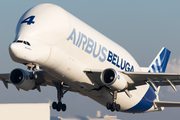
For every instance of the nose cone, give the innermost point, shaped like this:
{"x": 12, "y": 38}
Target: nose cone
{"x": 14, "y": 51}
{"x": 20, "y": 53}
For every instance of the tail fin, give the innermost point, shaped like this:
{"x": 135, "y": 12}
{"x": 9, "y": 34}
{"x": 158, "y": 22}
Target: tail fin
{"x": 159, "y": 64}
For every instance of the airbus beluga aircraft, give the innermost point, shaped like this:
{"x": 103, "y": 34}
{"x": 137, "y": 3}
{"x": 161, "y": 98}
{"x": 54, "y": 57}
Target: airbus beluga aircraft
{"x": 63, "y": 52}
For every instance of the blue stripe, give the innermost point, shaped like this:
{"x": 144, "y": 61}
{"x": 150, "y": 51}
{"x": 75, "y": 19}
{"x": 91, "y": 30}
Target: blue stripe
{"x": 154, "y": 70}
{"x": 157, "y": 65}
{"x": 164, "y": 57}
{"x": 145, "y": 103}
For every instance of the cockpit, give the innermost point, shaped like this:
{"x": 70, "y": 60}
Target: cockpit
{"x": 24, "y": 42}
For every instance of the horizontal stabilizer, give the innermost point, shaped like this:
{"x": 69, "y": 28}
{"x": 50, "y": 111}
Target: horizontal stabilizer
{"x": 167, "y": 104}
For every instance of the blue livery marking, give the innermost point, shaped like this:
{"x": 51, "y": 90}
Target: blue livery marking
{"x": 158, "y": 66}
{"x": 145, "y": 103}
{"x": 88, "y": 45}
{"x": 122, "y": 64}
{"x": 29, "y": 20}
{"x": 160, "y": 63}
{"x": 98, "y": 51}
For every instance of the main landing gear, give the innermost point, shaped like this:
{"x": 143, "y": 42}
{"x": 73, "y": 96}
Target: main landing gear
{"x": 59, "y": 106}
{"x": 113, "y": 106}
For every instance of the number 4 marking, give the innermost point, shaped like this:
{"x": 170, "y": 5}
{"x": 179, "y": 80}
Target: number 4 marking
{"x": 29, "y": 20}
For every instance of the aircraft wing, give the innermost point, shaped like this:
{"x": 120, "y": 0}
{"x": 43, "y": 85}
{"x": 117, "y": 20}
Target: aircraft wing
{"x": 155, "y": 79}
{"x": 160, "y": 79}
{"x": 43, "y": 79}
{"x": 4, "y": 78}
{"x": 139, "y": 78}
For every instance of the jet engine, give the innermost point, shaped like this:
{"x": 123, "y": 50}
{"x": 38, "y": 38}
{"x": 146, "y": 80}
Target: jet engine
{"x": 20, "y": 78}
{"x": 113, "y": 79}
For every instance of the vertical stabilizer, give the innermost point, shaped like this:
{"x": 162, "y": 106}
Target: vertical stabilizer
{"x": 159, "y": 64}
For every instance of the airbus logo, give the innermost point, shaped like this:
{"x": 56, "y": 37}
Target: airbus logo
{"x": 88, "y": 45}
{"x": 98, "y": 51}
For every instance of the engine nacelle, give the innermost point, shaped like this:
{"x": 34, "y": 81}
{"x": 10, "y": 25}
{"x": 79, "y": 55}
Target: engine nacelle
{"x": 20, "y": 78}
{"x": 113, "y": 79}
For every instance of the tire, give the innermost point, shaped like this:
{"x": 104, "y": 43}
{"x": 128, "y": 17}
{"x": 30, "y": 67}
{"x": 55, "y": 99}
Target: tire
{"x": 63, "y": 107}
{"x": 54, "y": 105}
{"x": 114, "y": 106}
{"x": 108, "y": 105}
{"x": 59, "y": 106}
{"x": 118, "y": 107}
{"x": 58, "y": 109}
{"x": 112, "y": 109}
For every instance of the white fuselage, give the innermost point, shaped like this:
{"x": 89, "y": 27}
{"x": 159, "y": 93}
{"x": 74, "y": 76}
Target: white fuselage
{"x": 64, "y": 46}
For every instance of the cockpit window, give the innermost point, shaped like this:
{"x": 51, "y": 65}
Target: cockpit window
{"x": 19, "y": 41}
{"x": 25, "y": 42}
{"x": 28, "y": 44}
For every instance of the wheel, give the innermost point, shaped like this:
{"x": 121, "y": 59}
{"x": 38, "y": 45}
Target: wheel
{"x": 112, "y": 109}
{"x": 59, "y": 106}
{"x": 54, "y": 105}
{"x": 118, "y": 107}
{"x": 63, "y": 107}
{"x": 114, "y": 106}
{"x": 108, "y": 105}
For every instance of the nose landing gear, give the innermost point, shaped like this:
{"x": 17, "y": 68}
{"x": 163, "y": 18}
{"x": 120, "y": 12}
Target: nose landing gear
{"x": 33, "y": 67}
{"x": 59, "y": 106}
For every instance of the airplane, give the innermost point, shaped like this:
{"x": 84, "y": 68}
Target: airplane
{"x": 61, "y": 51}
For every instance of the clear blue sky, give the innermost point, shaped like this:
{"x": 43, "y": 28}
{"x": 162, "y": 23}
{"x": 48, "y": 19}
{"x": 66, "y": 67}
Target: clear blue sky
{"x": 141, "y": 27}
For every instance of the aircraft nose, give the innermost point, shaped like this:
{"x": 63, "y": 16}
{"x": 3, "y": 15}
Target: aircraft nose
{"x": 21, "y": 52}
{"x": 13, "y": 50}
{"x": 16, "y": 52}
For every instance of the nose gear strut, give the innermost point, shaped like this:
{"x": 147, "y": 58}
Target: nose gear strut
{"x": 33, "y": 67}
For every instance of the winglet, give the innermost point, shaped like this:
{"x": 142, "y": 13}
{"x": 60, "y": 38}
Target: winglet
{"x": 160, "y": 62}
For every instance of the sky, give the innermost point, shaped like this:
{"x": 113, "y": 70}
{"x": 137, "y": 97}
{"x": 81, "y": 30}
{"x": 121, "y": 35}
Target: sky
{"x": 141, "y": 27}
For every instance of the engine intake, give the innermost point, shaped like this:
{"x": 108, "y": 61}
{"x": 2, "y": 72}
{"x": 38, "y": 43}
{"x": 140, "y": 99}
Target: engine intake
{"x": 114, "y": 79}
{"x": 20, "y": 78}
